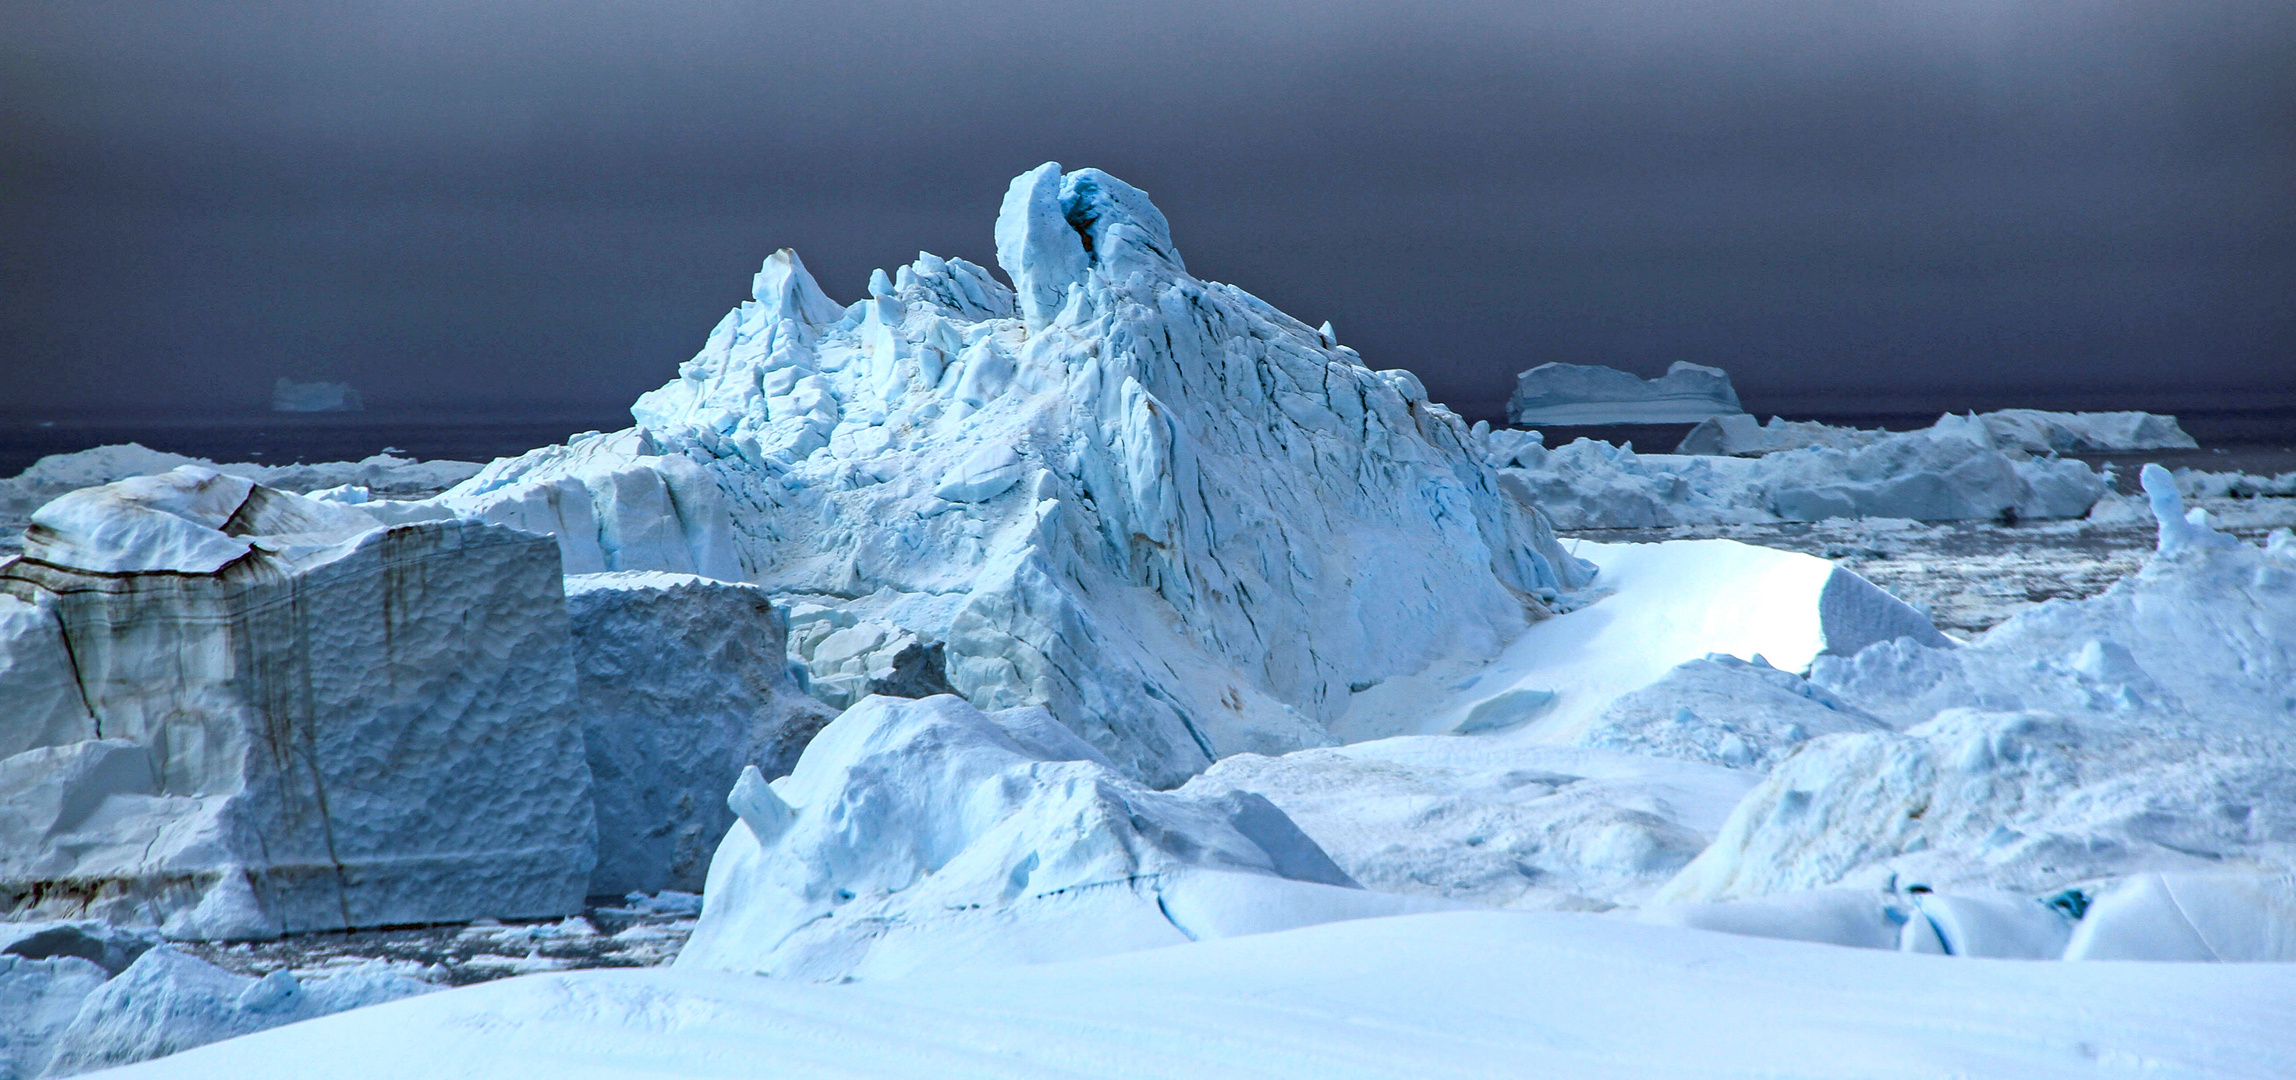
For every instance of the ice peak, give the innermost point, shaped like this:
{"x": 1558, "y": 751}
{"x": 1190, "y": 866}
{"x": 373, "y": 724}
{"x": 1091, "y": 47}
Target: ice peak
{"x": 2178, "y": 530}
{"x": 1039, "y": 250}
{"x": 1054, "y": 228}
{"x": 788, "y": 291}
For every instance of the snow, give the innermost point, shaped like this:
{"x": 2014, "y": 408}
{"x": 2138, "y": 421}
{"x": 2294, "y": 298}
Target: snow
{"x": 1482, "y": 821}
{"x": 2030, "y": 431}
{"x": 918, "y": 835}
{"x": 1955, "y": 471}
{"x": 682, "y": 682}
{"x": 281, "y": 714}
{"x": 1435, "y": 995}
{"x": 383, "y": 475}
{"x": 1665, "y": 604}
{"x": 2191, "y": 916}
{"x": 1589, "y": 394}
{"x": 2145, "y": 729}
{"x": 303, "y": 397}
{"x": 1181, "y": 520}
{"x": 1722, "y": 710}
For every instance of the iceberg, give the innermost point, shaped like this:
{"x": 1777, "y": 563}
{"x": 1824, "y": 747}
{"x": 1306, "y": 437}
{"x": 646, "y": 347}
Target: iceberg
{"x": 290, "y": 396}
{"x": 1586, "y": 394}
{"x": 1179, "y": 519}
{"x": 237, "y": 712}
{"x": 929, "y": 835}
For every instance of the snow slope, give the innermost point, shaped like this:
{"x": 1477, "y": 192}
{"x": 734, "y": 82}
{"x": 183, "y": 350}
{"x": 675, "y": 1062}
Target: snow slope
{"x": 1661, "y": 605}
{"x": 1178, "y": 518}
{"x": 1460, "y": 994}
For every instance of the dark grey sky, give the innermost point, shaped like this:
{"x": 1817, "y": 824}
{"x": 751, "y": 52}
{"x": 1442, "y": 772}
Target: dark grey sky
{"x": 548, "y": 204}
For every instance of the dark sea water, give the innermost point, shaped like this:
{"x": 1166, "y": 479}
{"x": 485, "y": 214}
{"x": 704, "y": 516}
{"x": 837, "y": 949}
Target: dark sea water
{"x": 2258, "y": 440}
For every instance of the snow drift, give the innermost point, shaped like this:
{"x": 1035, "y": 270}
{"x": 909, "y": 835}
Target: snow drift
{"x": 1179, "y": 519}
{"x": 682, "y": 682}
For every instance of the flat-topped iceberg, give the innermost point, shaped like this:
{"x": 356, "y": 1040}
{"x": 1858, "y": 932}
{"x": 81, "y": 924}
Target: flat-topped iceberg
{"x": 1565, "y": 394}
{"x": 1184, "y": 522}
{"x": 234, "y": 711}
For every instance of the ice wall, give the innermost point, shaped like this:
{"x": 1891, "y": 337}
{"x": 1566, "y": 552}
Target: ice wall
{"x": 235, "y": 712}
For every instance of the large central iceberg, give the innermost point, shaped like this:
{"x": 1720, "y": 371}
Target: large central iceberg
{"x": 1183, "y": 521}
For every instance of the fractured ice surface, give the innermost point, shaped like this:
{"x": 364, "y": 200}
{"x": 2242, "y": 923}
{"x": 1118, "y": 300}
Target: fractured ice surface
{"x": 2150, "y": 728}
{"x": 1591, "y": 394}
{"x": 682, "y": 681}
{"x": 1179, "y": 519}
{"x": 930, "y": 835}
{"x": 1957, "y": 470}
{"x": 234, "y": 711}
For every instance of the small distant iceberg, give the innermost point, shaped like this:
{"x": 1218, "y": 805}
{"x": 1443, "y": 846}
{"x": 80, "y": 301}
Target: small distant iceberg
{"x": 1590, "y": 394}
{"x": 288, "y": 395}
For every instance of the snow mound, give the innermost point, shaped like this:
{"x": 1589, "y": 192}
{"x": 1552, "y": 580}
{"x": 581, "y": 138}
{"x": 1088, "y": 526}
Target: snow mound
{"x": 2197, "y": 916}
{"x": 928, "y": 834}
{"x": 1722, "y": 710}
{"x": 168, "y": 1002}
{"x": 1478, "y": 821}
{"x": 2143, "y": 729}
{"x": 1591, "y": 394}
{"x": 1662, "y": 605}
{"x": 1956, "y": 471}
{"x": 238, "y": 711}
{"x": 1179, "y": 519}
{"x": 682, "y": 683}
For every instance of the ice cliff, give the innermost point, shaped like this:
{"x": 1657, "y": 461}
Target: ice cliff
{"x": 1178, "y": 518}
{"x": 235, "y": 711}
{"x": 1590, "y": 394}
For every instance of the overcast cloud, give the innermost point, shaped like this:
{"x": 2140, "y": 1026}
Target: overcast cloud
{"x": 542, "y": 204}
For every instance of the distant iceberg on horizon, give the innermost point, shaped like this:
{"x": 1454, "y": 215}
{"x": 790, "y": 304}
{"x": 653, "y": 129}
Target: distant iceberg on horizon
{"x": 1593, "y": 394}
{"x": 287, "y": 395}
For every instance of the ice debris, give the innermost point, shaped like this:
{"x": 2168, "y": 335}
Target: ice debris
{"x": 1590, "y": 394}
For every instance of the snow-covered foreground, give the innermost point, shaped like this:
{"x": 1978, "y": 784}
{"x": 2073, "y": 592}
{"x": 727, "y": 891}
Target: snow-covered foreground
{"x": 1452, "y": 994}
